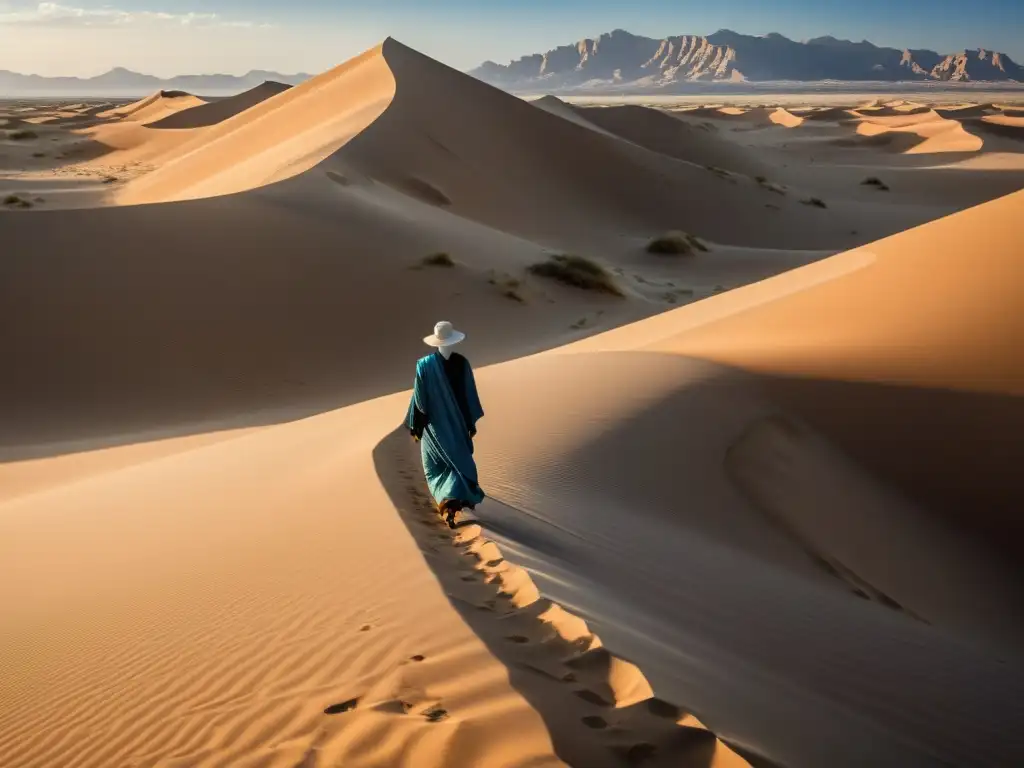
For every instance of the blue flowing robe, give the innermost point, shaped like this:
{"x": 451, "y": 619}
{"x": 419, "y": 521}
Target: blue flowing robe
{"x": 446, "y": 447}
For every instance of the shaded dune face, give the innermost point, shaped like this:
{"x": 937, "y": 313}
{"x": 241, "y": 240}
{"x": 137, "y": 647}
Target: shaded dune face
{"x": 662, "y": 133}
{"x": 220, "y": 110}
{"x": 838, "y": 424}
{"x": 755, "y": 485}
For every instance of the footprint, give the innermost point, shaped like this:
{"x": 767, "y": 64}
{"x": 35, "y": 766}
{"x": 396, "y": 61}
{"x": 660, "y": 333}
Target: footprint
{"x": 593, "y": 698}
{"x": 435, "y": 714}
{"x": 594, "y": 721}
{"x": 345, "y": 706}
{"x": 517, "y": 639}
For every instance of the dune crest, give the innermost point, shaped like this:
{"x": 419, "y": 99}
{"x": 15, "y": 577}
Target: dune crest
{"x": 155, "y": 107}
{"x": 279, "y": 137}
{"x": 220, "y": 110}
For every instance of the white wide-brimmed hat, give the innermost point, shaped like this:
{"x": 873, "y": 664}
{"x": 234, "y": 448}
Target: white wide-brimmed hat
{"x": 444, "y": 335}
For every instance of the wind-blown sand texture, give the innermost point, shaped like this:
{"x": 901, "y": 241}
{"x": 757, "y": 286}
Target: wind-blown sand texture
{"x": 761, "y": 509}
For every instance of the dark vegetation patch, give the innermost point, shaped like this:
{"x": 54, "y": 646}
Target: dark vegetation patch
{"x": 577, "y": 272}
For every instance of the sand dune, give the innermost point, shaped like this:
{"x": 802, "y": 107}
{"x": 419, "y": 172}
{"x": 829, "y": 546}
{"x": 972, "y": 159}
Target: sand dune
{"x": 773, "y": 527}
{"x": 662, "y": 133}
{"x": 218, "y": 111}
{"x": 965, "y": 110}
{"x": 555, "y": 106}
{"x": 863, "y": 333}
{"x": 423, "y": 141}
{"x": 853, "y": 401}
{"x": 154, "y": 107}
{"x": 1003, "y": 125}
{"x": 829, "y": 113}
{"x": 932, "y": 133}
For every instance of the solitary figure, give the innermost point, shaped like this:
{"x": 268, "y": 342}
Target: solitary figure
{"x": 442, "y": 416}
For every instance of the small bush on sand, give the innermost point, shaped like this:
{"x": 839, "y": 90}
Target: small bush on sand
{"x": 771, "y": 186}
{"x": 38, "y": 154}
{"x": 13, "y": 201}
{"x": 817, "y": 202}
{"x": 22, "y": 135}
{"x": 438, "y": 260}
{"x": 877, "y": 183}
{"x": 577, "y": 272}
{"x": 675, "y": 243}
{"x": 512, "y": 293}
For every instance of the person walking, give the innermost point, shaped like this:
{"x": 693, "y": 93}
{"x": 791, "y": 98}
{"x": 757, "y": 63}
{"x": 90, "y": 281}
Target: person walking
{"x": 442, "y": 417}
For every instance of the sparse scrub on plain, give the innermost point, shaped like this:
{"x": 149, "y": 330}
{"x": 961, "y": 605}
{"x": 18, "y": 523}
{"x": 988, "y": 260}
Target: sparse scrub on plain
{"x": 577, "y": 272}
{"x": 440, "y": 259}
{"x": 771, "y": 186}
{"x": 815, "y": 202}
{"x": 721, "y": 173}
{"x": 13, "y": 201}
{"x": 676, "y": 243}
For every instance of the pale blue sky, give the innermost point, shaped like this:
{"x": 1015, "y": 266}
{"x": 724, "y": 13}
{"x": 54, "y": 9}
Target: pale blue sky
{"x": 167, "y": 37}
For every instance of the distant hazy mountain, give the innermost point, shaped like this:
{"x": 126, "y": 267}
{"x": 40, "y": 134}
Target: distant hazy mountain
{"x": 120, "y": 82}
{"x": 620, "y": 59}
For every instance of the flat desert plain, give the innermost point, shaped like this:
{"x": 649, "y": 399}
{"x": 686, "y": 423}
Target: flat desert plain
{"x": 752, "y": 441}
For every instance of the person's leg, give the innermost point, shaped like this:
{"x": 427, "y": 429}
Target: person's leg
{"x": 449, "y": 509}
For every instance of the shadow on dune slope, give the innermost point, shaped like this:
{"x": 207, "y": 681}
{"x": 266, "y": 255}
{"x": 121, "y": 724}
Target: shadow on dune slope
{"x": 220, "y": 110}
{"x": 748, "y": 539}
{"x": 599, "y": 710}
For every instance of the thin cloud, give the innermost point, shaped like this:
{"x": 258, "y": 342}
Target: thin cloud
{"x": 57, "y": 15}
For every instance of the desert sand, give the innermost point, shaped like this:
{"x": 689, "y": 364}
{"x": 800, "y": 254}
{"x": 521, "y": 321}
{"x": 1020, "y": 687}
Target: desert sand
{"x": 756, "y": 503}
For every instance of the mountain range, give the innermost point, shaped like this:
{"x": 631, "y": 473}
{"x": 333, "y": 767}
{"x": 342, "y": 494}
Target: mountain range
{"x": 120, "y": 82}
{"x": 616, "y": 60}
{"x": 620, "y": 59}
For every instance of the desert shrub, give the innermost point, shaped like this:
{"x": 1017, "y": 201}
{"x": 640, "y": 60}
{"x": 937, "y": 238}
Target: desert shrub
{"x": 22, "y": 134}
{"x": 817, "y": 202}
{"x": 577, "y": 272}
{"x": 675, "y": 243}
{"x": 877, "y": 183}
{"x": 14, "y": 201}
{"x": 771, "y": 186}
{"x": 438, "y": 260}
{"x": 512, "y": 293}
{"x": 110, "y": 179}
